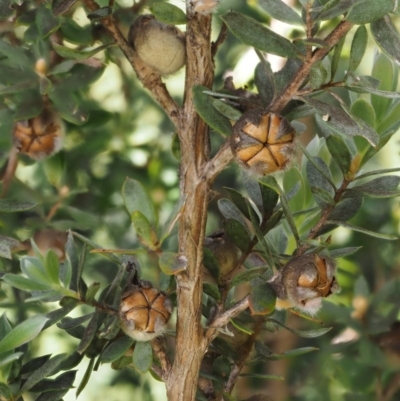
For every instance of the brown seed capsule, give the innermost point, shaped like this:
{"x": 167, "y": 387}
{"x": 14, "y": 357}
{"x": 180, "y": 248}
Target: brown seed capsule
{"x": 40, "y": 136}
{"x": 263, "y": 142}
{"x": 159, "y": 45}
{"x": 304, "y": 281}
{"x": 144, "y": 313}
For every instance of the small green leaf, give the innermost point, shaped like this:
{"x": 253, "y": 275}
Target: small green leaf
{"x": 52, "y": 266}
{"x": 54, "y": 168}
{"x": 303, "y": 333}
{"x": 343, "y": 252}
{"x": 340, "y": 121}
{"x": 46, "y": 22}
{"x": 168, "y": 13}
{"x": 262, "y": 300}
{"x": 142, "y": 357}
{"x": 230, "y": 211}
{"x": 74, "y": 54}
{"x": 116, "y": 349}
{"x": 23, "y": 283}
{"x": 5, "y": 359}
{"x": 68, "y": 106}
{"x": 212, "y": 291}
{"x": 368, "y": 84}
{"x": 72, "y": 274}
{"x": 62, "y": 382}
{"x": 15, "y": 54}
{"x": 237, "y": 234}
{"x": 265, "y": 81}
{"x": 382, "y": 187}
{"x": 86, "y": 377}
{"x": 270, "y": 199}
{"x": 358, "y": 47}
{"x": 376, "y": 172}
{"x": 336, "y": 9}
{"x": 56, "y": 315}
{"x": 19, "y": 87}
{"x": 240, "y": 201}
{"x": 281, "y": 11}
{"x": 143, "y": 230}
{"x": 363, "y": 109}
{"x": 387, "y": 37}
{"x": 337, "y": 53}
{"x": 92, "y": 291}
{"x": 11, "y": 206}
{"x": 22, "y": 333}
{"x": 226, "y": 110}
{"x": 248, "y": 275}
{"x": 339, "y": 152}
{"x": 172, "y": 263}
{"x": 35, "y": 270}
{"x": 206, "y": 110}
{"x": 367, "y": 11}
{"x": 253, "y": 33}
{"x": 90, "y": 331}
{"x": 363, "y": 230}
{"x": 136, "y": 198}
{"x": 70, "y": 322}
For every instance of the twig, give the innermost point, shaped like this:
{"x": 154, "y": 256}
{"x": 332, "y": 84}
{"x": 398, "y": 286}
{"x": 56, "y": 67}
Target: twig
{"x": 158, "y": 345}
{"x": 149, "y": 78}
{"x": 223, "y": 33}
{"x": 302, "y": 73}
{"x": 391, "y": 388}
{"x": 224, "y": 318}
{"x": 245, "y": 350}
{"x": 218, "y": 162}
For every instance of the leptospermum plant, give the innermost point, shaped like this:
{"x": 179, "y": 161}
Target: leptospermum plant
{"x": 271, "y": 254}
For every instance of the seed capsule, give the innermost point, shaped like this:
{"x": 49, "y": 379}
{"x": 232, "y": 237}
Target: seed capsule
{"x": 263, "y": 142}
{"x": 144, "y": 313}
{"x": 304, "y": 281}
{"x": 40, "y": 136}
{"x": 159, "y": 45}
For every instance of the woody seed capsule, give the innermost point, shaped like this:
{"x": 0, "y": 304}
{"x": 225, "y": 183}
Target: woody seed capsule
{"x": 144, "y": 313}
{"x": 40, "y": 136}
{"x": 263, "y": 142}
{"x": 304, "y": 281}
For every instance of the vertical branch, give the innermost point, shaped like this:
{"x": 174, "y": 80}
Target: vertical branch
{"x": 193, "y": 134}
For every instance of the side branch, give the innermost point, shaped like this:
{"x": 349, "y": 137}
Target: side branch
{"x": 218, "y": 162}
{"x": 292, "y": 88}
{"x": 224, "y": 318}
{"x": 149, "y": 78}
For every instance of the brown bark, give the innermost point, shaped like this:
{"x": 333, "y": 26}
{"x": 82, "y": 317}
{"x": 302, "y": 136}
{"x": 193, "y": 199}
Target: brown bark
{"x": 193, "y": 133}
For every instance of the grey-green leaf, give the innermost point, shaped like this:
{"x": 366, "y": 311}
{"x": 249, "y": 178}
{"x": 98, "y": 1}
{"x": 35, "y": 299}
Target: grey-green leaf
{"x": 226, "y": 110}
{"x": 23, "y": 333}
{"x": 253, "y": 33}
{"x": 367, "y": 11}
{"x": 206, "y": 110}
{"x": 363, "y": 230}
{"x": 46, "y": 22}
{"x": 61, "y": 6}
{"x": 358, "y": 47}
{"x": 116, "y": 349}
{"x": 168, "y": 13}
{"x": 342, "y": 123}
{"x": 339, "y": 8}
{"x": 387, "y": 37}
{"x": 303, "y": 333}
{"x": 281, "y": 11}
{"x": 381, "y": 187}
{"x": 172, "y": 263}
{"x": 136, "y": 198}
{"x": 11, "y": 205}
{"x": 340, "y": 152}
{"x": 8, "y": 246}
{"x": 142, "y": 356}
{"x": 265, "y": 82}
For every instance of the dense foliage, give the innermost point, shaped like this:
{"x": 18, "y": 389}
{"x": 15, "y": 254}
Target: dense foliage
{"x": 106, "y": 216}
